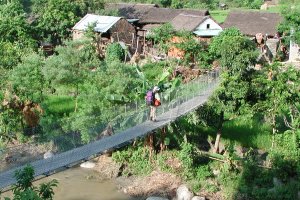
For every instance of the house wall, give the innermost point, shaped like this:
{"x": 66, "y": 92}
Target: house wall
{"x": 77, "y": 34}
{"x": 212, "y": 25}
{"x": 294, "y": 52}
{"x": 273, "y": 46}
{"x": 123, "y": 31}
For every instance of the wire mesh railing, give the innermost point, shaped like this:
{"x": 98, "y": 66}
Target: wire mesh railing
{"x": 137, "y": 112}
{"x": 126, "y": 116}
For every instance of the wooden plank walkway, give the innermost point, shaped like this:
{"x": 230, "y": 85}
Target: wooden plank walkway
{"x": 45, "y": 166}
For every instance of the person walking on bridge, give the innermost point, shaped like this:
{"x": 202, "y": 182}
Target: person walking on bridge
{"x": 153, "y": 100}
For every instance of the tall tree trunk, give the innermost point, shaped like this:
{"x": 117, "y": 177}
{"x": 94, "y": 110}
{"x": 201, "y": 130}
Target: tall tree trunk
{"x": 76, "y": 104}
{"x": 162, "y": 139}
{"x": 76, "y": 98}
{"x": 219, "y": 133}
{"x": 149, "y": 144}
{"x": 273, "y": 131}
{"x": 217, "y": 142}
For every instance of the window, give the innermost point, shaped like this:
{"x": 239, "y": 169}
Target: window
{"x": 207, "y": 26}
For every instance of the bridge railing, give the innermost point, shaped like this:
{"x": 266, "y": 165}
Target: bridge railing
{"x": 137, "y": 112}
{"x": 127, "y": 116}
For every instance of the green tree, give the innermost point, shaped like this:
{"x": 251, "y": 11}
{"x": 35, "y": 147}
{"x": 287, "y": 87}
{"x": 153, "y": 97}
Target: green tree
{"x": 291, "y": 22}
{"x": 114, "y": 52}
{"x": 13, "y": 25}
{"x": 234, "y": 96}
{"x": 190, "y": 46}
{"x": 161, "y": 36}
{"x": 280, "y": 97}
{"x": 103, "y": 97}
{"x": 24, "y": 190}
{"x": 65, "y": 69}
{"x": 56, "y": 19}
{"x": 15, "y": 34}
{"x": 26, "y": 78}
{"x": 10, "y": 55}
{"x": 214, "y": 47}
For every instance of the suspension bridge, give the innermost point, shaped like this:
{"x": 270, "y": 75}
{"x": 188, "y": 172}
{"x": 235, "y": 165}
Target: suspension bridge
{"x": 184, "y": 100}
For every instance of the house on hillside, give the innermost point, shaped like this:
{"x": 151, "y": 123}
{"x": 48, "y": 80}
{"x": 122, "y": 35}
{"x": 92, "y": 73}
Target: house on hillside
{"x": 109, "y": 28}
{"x": 130, "y": 10}
{"x": 148, "y": 16}
{"x": 252, "y": 23}
{"x": 201, "y": 26}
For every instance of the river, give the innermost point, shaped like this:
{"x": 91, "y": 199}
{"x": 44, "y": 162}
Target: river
{"x": 82, "y": 184}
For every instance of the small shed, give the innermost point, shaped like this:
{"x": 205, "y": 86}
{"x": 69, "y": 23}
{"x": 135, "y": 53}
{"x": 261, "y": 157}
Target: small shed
{"x": 110, "y": 27}
{"x": 252, "y": 22}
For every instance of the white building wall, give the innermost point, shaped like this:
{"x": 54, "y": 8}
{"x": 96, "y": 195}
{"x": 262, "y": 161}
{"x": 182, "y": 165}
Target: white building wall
{"x": 212, "y": 25}
{"x": 294, "y": 52}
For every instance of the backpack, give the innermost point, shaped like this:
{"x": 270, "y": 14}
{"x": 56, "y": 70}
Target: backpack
{"x": 150, "y": 98}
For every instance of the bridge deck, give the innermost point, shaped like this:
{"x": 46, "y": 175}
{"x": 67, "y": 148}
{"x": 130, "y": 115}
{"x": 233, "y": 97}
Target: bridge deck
{"x": 45, "y": 166}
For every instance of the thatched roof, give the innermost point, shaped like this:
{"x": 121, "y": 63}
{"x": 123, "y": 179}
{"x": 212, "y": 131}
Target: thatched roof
{"x": 130, "y": 10}
{"x": 151, "y": 13}
{"x": 252, "y": 22}
{"x": 164, "y": 15}
{"x": 187, "y": 22}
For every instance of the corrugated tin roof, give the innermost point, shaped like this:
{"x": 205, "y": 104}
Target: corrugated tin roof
{"x": 103, "y": 23}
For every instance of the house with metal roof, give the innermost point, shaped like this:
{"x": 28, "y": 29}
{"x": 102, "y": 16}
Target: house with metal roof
{"x": 110, "y": 27}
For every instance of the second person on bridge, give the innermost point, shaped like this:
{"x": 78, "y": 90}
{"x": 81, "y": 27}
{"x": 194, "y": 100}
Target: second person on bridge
{"x": 153, "y": 100}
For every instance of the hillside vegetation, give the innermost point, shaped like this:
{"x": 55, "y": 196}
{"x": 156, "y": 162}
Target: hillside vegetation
{"x": 242, "y": 144}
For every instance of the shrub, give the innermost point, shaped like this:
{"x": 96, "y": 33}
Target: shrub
{"x": 24, "y": 189}
{"x": 114, "y": 52}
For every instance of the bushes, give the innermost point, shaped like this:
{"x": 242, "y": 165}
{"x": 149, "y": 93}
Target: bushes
{"x": 114, "y": 52}
{"x": 135, "y": 160}
{"x": 24, "y": 189}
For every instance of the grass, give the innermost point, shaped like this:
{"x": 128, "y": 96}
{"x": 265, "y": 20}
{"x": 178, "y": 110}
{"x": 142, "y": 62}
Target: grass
{"x": 274, "y": 9}
{"x": 59, "y": 105}
{"x": 248, "y": 133}
{"x": 219, "y": 15}
{"x": 244, "y": 132}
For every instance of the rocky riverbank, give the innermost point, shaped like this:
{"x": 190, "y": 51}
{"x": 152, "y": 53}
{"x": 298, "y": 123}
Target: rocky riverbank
{"x": 157, "y": 185}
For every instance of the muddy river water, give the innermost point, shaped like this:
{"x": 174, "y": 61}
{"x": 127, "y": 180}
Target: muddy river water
{"x": 82, "y": 184}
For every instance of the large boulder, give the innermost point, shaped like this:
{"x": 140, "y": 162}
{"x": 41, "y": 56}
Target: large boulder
{"x": 88, "y": 165}
{"x": 48, "y": 154}
{"x": 183, "y": 193}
